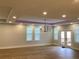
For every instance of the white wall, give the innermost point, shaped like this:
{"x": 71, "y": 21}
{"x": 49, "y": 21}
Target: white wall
{"x": 15, "y": 36}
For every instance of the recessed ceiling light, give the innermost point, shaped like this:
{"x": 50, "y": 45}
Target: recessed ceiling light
{"x": 14, "y": 17}
{"x": 45, "y": 13}
{"x": 20, "y": 23}
{"x": 10, "y": 21}
{"x": 76, "y": 1}
{"x": 64, "y": 15}
{"x": 78, "y": 18}
{"x": 71, "y": 23}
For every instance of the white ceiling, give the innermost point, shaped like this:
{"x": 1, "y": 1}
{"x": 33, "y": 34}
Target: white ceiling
{"x": 24, "y": 9}
{"x": 4, "y": 12}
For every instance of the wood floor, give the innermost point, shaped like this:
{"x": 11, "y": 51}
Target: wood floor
{"x": 48, "y": 52}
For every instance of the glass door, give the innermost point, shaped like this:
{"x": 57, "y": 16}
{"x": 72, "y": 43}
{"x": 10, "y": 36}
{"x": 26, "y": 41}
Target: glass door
{"x": 66, "y": 38}
{"x": 62, "y": 38}
{"x": 69, "y": 37}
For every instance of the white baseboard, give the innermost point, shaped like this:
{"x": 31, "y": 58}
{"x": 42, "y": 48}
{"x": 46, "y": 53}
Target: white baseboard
{"x": 21, "y": 46}
{"x": 55, "y": 44}
{"x": 75, "y": 48}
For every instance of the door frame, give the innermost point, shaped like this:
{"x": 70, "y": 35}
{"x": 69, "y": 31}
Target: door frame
{"x": 72, "y": 36}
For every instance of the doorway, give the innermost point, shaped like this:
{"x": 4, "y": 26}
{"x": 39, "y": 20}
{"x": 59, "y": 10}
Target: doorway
{"x": 66, "y": 38}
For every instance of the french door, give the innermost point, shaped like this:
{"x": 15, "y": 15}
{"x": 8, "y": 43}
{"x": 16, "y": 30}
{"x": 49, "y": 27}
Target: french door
{"x": 66, "y": 38}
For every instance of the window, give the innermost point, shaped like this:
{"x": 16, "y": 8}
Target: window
{"x": 37, "y": 32}
{"x": 62, "y": 37}
{"x": 76, "y": 34}
{"x": 33, "y": 33}
{"x": 56, "y": 33}
{"x": 29, "y": 33}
